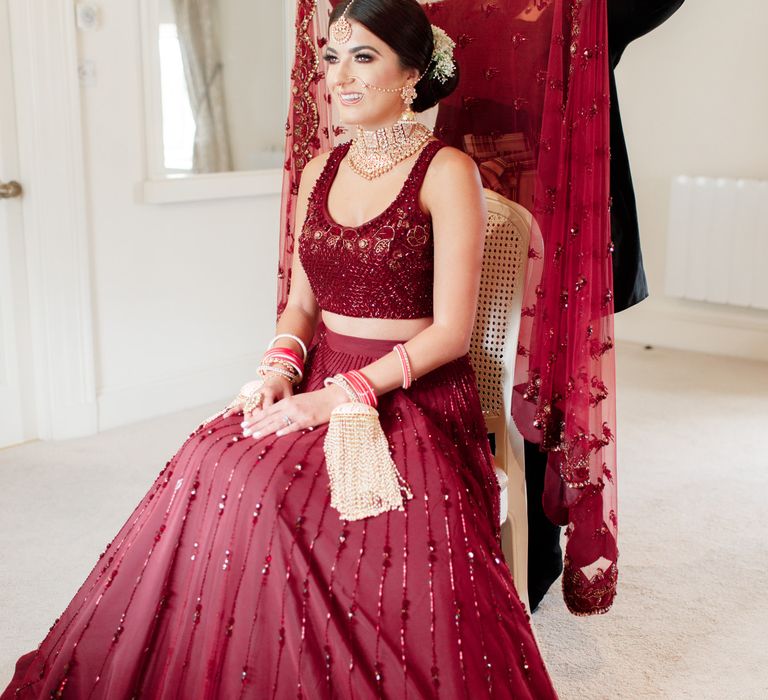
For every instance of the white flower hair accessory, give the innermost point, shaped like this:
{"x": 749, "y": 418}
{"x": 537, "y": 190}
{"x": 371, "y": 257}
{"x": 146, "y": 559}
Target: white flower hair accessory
{"x": 442, "y": 57}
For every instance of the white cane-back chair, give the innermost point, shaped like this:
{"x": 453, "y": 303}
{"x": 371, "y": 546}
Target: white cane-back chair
{"x": 493, "y": 350}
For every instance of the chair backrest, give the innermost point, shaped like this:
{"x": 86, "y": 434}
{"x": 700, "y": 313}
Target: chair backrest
{"x": 493, "y": 351}
{"x": 493, "y": 346}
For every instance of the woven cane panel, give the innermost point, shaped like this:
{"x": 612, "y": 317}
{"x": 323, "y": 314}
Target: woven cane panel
{"x": 506, "y": 242}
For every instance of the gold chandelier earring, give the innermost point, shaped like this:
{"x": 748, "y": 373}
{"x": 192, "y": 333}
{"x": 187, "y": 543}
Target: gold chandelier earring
{"x": 407, "y": 119}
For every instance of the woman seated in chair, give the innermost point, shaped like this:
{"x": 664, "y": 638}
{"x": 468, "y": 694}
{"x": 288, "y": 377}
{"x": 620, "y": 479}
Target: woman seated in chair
{"x": 253, "y": 567}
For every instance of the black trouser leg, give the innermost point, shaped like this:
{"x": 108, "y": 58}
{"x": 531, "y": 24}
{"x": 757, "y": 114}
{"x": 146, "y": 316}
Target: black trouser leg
{"x": 545, "y": 557}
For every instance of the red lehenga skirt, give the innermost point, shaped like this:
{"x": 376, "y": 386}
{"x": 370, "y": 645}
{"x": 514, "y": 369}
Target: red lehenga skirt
{"x": 234, "y": 578}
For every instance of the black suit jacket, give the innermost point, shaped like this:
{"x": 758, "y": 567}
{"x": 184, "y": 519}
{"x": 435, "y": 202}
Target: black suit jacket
{"x": 627, "y": 20}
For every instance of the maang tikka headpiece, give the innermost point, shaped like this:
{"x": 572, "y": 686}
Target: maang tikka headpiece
{"x": 342, "y": 29}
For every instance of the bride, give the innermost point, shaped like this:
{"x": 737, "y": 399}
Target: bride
{"x": 333, "y": 532}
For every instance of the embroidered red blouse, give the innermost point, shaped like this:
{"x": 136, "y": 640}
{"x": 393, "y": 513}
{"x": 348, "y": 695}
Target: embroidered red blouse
{"x": 382, "y": 269}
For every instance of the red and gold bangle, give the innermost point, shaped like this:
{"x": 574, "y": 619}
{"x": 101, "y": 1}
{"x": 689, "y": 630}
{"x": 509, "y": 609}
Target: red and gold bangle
{"x": 285, "y": 354}
{"x": 406, "y": 365}
{"x": 282, "y": 361}
{"x": 292, "y": 368}
{"x": 340, "y": 381}
{"x": 285, "y": 358}
{"x": 295, "y": 372}
{"x": 264, "y": 370}
{"x": 361, "y": 386}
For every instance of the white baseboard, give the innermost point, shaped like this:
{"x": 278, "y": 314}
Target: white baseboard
{"x": 129, "y": 404}
{"x": 715, "y": 329}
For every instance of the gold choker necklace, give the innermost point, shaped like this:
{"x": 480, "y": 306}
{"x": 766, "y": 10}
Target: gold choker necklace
{"x": 373, "y": 153}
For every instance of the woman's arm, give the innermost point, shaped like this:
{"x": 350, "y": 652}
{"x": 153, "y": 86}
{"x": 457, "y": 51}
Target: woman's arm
{"x": 453, "y": 193}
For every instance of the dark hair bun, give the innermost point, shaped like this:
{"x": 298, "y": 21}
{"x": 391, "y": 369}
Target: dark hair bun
{"x": 429, "y": 91}
{"x": 404, "y": 26}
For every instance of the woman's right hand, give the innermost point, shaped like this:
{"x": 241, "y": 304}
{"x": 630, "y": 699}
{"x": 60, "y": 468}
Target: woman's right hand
{"x": 273, "y": 388}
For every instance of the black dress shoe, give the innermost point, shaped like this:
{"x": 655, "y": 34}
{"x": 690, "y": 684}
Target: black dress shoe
{"x": 541, "y": 576}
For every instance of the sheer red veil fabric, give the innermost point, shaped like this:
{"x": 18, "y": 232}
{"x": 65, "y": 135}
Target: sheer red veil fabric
{"x": 532, "y": 109}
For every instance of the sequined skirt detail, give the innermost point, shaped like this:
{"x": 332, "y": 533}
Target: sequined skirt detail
{"x": 233, "y": 577}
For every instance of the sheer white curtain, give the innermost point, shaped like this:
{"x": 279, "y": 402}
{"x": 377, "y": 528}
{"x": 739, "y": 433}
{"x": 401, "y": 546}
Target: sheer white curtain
{"x": 196, "y": 27}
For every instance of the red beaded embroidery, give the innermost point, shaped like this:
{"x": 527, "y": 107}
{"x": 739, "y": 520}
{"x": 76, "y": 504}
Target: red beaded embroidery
{"x": 382, "y": 269}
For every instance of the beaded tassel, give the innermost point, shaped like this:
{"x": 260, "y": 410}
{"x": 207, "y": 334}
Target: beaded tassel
{"x": 364, "y": 480}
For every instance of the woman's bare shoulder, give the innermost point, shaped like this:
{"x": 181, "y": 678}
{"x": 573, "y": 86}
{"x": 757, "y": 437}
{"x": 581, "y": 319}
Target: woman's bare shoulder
{"x": 451, "y": 169}
{"x": 313, "y": 169}
{"x": 450, "y": 158}
{"x": 319, "y": 160}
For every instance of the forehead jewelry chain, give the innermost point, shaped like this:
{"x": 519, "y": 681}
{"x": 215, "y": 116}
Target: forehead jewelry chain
{"x": 342, "y": 29}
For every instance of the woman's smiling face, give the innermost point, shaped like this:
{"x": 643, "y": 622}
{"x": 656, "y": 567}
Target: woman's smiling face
{"x": 365, "y": 59}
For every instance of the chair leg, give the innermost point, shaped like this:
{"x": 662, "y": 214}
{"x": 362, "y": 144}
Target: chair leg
{"x": 513, "y": 554}
{"x": 514, "y": 534}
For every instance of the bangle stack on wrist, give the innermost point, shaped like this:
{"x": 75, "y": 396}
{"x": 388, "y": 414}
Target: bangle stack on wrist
{"x": 284, "y": 362}
{"x": 342, "y": 384}
{"x": 406, "y": 365}
{"x": 355, "y": 386}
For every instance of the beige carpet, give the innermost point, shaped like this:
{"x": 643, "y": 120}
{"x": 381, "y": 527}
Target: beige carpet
{"x": 691, "y": 618}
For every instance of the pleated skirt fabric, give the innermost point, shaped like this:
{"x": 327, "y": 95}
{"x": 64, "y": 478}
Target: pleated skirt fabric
{"x": 235, "y": 578}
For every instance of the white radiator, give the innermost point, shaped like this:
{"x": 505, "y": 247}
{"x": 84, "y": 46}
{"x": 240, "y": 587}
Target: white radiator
{"x": 717, "y": 244}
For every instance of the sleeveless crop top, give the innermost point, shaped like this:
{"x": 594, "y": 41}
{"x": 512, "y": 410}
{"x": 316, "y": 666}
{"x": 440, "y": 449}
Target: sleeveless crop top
{"x": 382, "y": 269}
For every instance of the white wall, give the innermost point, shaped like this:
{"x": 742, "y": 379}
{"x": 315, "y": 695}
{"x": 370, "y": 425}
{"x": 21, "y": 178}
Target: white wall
{"x": 694, "y": 101}
{"x": 184, "y": 294}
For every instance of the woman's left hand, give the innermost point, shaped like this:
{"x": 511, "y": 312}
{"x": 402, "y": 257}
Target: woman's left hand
{"x": 293, "y": 413}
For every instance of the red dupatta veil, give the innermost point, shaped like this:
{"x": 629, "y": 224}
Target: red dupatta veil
{"x": 532, "y": 109}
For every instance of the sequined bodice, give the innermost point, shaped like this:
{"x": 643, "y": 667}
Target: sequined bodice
{"x": 382, "y": 269}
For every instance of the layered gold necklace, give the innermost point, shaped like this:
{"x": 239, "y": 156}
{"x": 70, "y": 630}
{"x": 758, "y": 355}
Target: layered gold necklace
{"x": 373, "y": 153}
